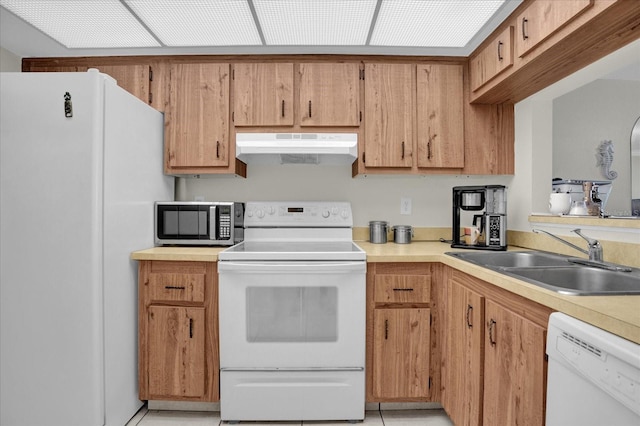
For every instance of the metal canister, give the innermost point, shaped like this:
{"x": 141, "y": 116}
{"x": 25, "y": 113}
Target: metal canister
{"x": 378, "y": 231}
{"x": 402, "y": 234}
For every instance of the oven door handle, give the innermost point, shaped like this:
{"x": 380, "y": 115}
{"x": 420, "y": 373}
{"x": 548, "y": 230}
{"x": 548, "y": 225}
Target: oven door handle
{"x": 292, "y": 267}
{"x": 296, "y": 369}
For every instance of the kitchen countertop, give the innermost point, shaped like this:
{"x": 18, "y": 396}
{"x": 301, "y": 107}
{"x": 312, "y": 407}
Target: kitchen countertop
{"x": 617, "y": 314}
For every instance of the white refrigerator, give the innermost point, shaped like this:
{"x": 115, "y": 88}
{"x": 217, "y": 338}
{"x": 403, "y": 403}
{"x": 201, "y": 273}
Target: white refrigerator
{"x": 78, "y": 182}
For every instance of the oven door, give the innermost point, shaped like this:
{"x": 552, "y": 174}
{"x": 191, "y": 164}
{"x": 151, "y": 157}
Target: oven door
{"x": 292, "y": 315}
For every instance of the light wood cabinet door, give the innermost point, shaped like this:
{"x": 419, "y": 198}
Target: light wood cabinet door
{"x": 440, "y": 118}
{"x": 329, "y": 94}
{"x": 263, "y": 94}
{"x": 389, "y": 112}
{"x": 493, "y": 59}
{"x": 543, "y": 18}
{"x": 176, "y": 340}
{"x": 464, "y": 355}
{"x": 514, "y": 369}
{"x": 197, "y": 116}
{"x": 132, "y": 78}
{"x": 401, "y": 353}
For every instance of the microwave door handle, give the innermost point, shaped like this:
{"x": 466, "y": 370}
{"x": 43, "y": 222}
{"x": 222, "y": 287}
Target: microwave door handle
{"x": 213, "y": 225}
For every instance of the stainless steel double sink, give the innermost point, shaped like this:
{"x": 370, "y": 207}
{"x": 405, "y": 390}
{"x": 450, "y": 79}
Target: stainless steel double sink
{"x": 562, "y": 274}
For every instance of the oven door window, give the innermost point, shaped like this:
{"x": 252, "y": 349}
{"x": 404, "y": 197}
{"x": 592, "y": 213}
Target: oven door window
{"x": 292, "y": 314}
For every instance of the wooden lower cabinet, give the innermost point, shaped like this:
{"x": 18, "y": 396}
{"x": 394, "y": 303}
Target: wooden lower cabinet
{"x": 399, "y": 332}
{"x": 494, "y": 364}
{"x": 178, "y": 332}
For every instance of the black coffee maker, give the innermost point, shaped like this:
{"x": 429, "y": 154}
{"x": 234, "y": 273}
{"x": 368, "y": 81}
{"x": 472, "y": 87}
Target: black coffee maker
{"x": 484, "y": 207}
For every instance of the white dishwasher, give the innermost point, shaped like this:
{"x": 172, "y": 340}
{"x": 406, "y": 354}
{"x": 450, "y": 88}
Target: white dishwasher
{"x": 593, "y": 376}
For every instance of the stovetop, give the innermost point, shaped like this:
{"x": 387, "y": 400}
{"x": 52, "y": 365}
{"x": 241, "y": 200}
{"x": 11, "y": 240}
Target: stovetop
{"x": 295, "y": 231}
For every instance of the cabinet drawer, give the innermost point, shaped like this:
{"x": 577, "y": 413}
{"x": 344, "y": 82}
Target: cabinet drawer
{"x": 176, "y": 287}
{"x": 493, "y": 59}
{"x": 402, "y": 289}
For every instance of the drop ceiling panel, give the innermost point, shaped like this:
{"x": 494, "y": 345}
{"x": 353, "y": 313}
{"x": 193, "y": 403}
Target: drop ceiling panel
{"x": 198, "y": 22}
{"x": 315, "y": 22}
{"x": 437, "y": 23}
{"x": 84, "y": 23}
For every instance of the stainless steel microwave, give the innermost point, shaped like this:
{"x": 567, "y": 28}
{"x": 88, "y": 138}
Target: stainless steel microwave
{"x": 218, "y": 223}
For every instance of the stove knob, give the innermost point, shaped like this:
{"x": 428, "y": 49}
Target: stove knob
{"x": 271, "y": 210}
{"x": 334, "y": 210}
{"x": 345, "y": 214}
{"x": 260, "y": 213}
{"x": 250, "y": 213}
{"x": 326, "y": 213}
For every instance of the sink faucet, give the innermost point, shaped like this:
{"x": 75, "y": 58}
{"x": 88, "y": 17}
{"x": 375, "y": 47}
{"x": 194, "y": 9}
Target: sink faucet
{"x": 595, "y": 248}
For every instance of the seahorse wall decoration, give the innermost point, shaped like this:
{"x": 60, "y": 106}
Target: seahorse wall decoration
{"x": 604, "y": 158}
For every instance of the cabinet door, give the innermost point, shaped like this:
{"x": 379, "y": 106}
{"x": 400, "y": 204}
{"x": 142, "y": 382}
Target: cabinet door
{"x": 197, "y": 117}
{"x": 329, "y": 94}
{"x": 389, "y": 113}
{"x": 263, "y": 94}
{"x": 132, "y": 78}
{"x": 176, "y": 346}
{"x": 440, "y": 119}
{"x": 496, "y": 57}
{"x": 514, "y": 369}
{"x": 401, "y": 353}
{"x": 465, "y": 337}
{"x": 543, "y": 18}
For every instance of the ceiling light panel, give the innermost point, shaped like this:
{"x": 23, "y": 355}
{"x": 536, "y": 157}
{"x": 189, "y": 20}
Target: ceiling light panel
{"x": 315, "y": 22}
{"x": 198, "y": 22}
{"x": 83, "y": 23}
{"x": 436, "y": 23}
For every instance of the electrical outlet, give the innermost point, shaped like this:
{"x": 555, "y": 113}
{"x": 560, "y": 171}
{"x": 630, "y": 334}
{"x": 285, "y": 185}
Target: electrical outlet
{"x": 405, "y": 205}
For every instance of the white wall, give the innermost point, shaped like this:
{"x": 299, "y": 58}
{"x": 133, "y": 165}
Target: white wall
{"x": 372, "y": 197}
{"x": 9, "y": 62}
{"x": 582, "y": 119}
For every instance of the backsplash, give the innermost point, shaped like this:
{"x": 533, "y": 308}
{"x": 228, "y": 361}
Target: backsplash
{"x": 372, "y": 197}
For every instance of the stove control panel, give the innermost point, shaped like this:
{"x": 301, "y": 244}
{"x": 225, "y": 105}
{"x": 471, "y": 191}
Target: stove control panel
{"x": 298, "y": 214}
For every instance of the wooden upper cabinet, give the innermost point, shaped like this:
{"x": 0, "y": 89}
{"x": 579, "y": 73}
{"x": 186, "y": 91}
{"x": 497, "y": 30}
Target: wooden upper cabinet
{"x": 197, "y": 116}
{"x": 496, "y": 57}
{"x": 263, "y": 94}
{"x": 133, "y": 78}
{"x": 440, "y": 117}
{"x": 389, "y": 109}
{"x": 543, "y": 18}
{"x": 329, "y": 94}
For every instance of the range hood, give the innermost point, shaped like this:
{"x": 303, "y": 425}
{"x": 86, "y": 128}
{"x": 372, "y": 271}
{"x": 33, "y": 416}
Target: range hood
{"x": 297, "y": 148}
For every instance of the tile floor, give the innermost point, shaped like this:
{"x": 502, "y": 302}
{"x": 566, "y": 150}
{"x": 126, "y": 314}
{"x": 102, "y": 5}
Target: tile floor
{"x": 435, "y": 417}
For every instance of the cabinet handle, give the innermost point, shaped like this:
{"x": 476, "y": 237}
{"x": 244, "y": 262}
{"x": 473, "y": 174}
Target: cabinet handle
{"x": 500, "y": 50}
{"x": 217, "y": 149}
{"x": 403, "y": 150}
{"x": 492, "y": 326}
{"x": 190, "y": 328}
{"x": 174, "y": 287}
{"x": 402, "y": 289}
{"x": 386, "y": 329}
{"x": 309, "y": 109}
{"x": 469, "y": 313}
{"x": 525, "y": 21}
{"x": 429, "y": 150}
{"x": 283, "y": 108}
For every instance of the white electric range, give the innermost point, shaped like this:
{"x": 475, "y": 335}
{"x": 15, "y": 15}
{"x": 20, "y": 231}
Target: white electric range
{"x": 292, "y": 315}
